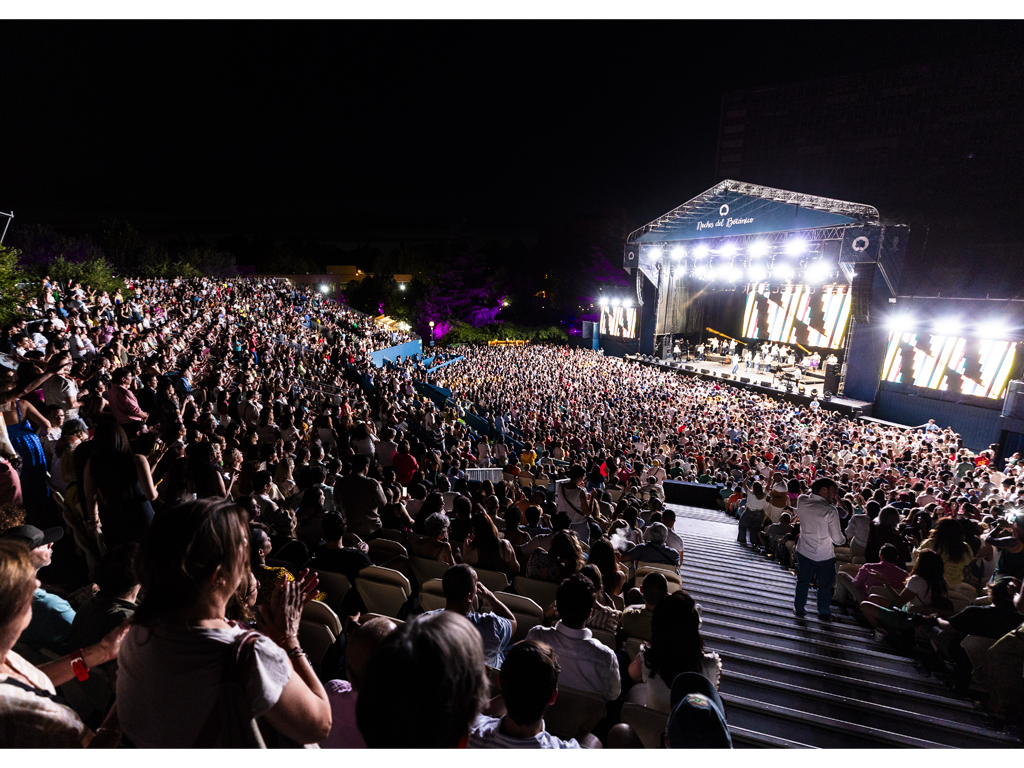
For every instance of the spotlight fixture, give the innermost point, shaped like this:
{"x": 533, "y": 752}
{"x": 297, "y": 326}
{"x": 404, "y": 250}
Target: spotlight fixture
{"x": 783, "y": 272}
{"x": 727, "y": 249}
{"x": 655, "y": 253}
{"x": 757, "y": 248}
{"x": 827, "y": 396}
{"x": 678, "y": 252}
{"x": 701, "y": 251}
{"x": 615, "y": 302}
{"x": 796, "y": 246}
{"x": 992, "y": 331}
{"x": 949, "y": 327}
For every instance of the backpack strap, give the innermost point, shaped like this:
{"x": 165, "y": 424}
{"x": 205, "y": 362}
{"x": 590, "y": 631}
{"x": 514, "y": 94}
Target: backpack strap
{"x": 237, "y": 665}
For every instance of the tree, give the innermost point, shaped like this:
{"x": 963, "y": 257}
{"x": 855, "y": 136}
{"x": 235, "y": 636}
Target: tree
{"x": 11, "y": 277}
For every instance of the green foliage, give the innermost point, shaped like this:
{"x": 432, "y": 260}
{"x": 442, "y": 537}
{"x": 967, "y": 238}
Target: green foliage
{"x": 10, "y": 276}
{"x": 96, "y": 273}
{"x": 463, "y": 333}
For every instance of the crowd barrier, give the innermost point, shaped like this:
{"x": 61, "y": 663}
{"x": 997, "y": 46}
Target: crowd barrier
{"x": 408, "y": 349}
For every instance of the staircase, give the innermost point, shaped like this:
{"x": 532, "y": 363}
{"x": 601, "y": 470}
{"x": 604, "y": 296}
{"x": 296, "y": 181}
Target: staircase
{"x": 803, "y": 683}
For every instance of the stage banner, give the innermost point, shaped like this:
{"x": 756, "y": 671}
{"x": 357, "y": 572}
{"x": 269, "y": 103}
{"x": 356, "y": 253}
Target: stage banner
{"x": 732, "y": 213}
{"x": 861, "y": 244}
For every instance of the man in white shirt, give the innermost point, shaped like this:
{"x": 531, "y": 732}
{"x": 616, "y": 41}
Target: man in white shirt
{"x": 587, "y": 664}
{"x": 820, "y": 531}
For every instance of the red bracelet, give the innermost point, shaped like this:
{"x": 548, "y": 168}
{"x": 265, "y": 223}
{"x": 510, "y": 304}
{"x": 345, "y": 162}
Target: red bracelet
{"x": 78, "y": 665}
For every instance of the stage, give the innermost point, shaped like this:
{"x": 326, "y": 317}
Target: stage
{"x": 763, "y": 383}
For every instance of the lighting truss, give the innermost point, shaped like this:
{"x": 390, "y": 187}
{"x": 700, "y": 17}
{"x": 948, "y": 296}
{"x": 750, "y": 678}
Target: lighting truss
{"x": 706, "y": 202}
{"x": 6, "y": 224}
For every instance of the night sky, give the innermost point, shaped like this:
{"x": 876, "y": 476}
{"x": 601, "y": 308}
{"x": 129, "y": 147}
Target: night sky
{"x": 353, "y": 131}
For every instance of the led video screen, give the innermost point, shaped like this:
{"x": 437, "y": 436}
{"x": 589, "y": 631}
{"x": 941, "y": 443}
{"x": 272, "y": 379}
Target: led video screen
{"x": 816, "y": 319}
{"x": 978, "y": 367}
{"x": 619, "y": 321}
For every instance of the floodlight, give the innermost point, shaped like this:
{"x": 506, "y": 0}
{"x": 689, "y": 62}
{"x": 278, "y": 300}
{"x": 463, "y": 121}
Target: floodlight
{"x": 615, "y": 302}
{"x": 816, "y": 272}
{"x": 401, "y": 286}
{"x": 993, "y": 331}
{"x": 758, "y": 248}
{"x": 949, "y": 327}
{"x": 701, "y": 251}
{"x": 899, "y": 323}
{"x": 627, "y": 302}
{"x": 734, "y": 274}
{"x": 700, "y": 271}
{"x": 603, "y": 301}
{"x": 323, "y": 289}
{"x": 655, "y": 253}
{"x": 756, "y": 274}
{"x": 710, "y": 274}
{"x": 796, "y": 246}
{"x": 783, "y": 272}
{"x": 678, "y": 252}
{"x": 727, "y": 249}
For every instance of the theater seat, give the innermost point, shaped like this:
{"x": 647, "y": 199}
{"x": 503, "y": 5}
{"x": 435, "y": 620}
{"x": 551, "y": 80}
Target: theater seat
{"x": 649, "y": 724}
{"x": 324, "y": 614}
{"x": 675, "y": 581}
{"x": 528, "y": 614}
{"x": 541, "y": 592}
{"x": 315, "y": 639}
{"x": 574, "y": 713}
{"x": 387, "y": 547}
{"x": 391, "y": 535}
{"x": 335, "y": 586}
{"x": 604, "y": 636}
{"x": 424, "y": 570}
{"x": 432, "y": 595}
{"x": 383, "y": 590}
{"x": 496, "y": 581}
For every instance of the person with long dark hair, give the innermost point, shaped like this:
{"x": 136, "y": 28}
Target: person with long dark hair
{"x": 571, "y": 498}
{"x": 118, "y": 487}
{"x": 675, "y": 647}
{"x": 925, "y": 592}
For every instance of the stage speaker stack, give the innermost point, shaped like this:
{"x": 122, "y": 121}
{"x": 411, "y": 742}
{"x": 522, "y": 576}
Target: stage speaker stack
{"x": 1013, "y": 405}
{"x": 860, "y": 299}
{"x": 745, "y": 380}
{"x": 766, "y": 384}
{"x": 831, "y": 378}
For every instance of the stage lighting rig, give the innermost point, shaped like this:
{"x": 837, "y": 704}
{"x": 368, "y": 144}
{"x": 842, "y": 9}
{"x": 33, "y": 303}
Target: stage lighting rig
{"x": 678, "y": 252}
{"x": 701, "y": 251}
{"x": 655, "y": 253}
{"x": 758, "y": 248}
{"x": 796, "y": 246}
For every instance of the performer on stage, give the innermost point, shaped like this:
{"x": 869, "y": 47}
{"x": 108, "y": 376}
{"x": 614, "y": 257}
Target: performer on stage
{"x": 700, "y": 352}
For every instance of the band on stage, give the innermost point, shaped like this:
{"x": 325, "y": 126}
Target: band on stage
{"x": 768, "y": 357}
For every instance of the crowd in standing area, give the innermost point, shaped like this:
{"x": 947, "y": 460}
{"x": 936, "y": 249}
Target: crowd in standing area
{"x": 179, "y": 463}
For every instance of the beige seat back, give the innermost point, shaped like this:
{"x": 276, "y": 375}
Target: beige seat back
{"x": 383, "y": 590}
{"x": 392, "y": 535}
{"x": 315, "y": 638}
{"x": 604, "y": 636}
{"x": 633, "y": 646}
{"x": 528, "y": 614}
{"x": 675, "y": 581}
{"x": 649, "y": 724}
{"x": 574, "y": 713}
{"x": 322, "y": 613}
{"x": 335, "y": 586}
{"x": 432, "y": 595}
{"x": 496, "y": 581}
{"x": 389, "y": 547}
{"x": 541, "y": 592}
{"x": 424, "y": 570}
{"x": 976, "y": 648}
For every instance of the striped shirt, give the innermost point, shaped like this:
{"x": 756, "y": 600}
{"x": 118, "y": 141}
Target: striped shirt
{"x": 486, "y": 734}
{"x": 29, "y": 715}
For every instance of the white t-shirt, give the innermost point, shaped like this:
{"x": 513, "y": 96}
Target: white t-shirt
{"x": 169, "y": 680}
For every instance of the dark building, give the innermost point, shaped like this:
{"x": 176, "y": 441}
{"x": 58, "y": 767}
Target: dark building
{"x": 939, "y": 146}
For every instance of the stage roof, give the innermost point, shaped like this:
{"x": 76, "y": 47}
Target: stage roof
{"x": 738, "y": 208}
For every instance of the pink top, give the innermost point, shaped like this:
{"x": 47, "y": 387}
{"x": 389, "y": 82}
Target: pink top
{"x": 124, "y": 405}
{"x": 344, "y": 733}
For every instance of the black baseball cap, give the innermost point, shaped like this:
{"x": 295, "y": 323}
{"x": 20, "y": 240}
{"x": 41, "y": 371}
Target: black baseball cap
{"x": 32, "y": 536}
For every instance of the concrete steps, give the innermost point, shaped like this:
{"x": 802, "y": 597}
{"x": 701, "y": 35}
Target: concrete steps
{"x": 791, "y": 682}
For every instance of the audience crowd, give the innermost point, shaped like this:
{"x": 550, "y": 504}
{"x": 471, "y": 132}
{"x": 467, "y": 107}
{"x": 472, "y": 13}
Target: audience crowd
{"x": 180, "y": 464}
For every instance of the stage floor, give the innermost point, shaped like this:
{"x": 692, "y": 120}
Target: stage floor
{"x": 776, "y": 384}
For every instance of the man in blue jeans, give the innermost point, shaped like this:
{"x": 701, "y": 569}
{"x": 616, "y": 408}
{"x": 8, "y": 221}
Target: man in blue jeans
{"x": 819, "y": 533}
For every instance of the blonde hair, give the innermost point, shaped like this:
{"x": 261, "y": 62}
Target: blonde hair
{"x": 17, "y": 579}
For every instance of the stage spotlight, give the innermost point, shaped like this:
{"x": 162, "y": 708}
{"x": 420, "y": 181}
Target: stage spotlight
{"x": 627, "y": 303}
{"x": 828, "y": 396}
{"x": 323, "y": 289}
{"x": 603, "y": 301}
{"x": 734, "y": 274}
{"x": 710, "y": 274}
{"x": 700, "y": 271}
{"x": 758, "y": 248}
{"x": 993, "y": 331}
{"x": 654, "y": 253}
{"x": 701, "y": 251}
{"x": 678, "y": 252}
{"x": 757, "y": 274}
{"x": 947, "y": 328}
{"x": 789, "y": 386}
{"x": 817, "y": 272}
{"x": 796, "y": 246}
{"x": 900, "y": 323}
{"x": 727, "y": 249}
{"x": 783, "y": 272}
{"x": 814, "y": 393}
{"x": 615, "y": 302}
